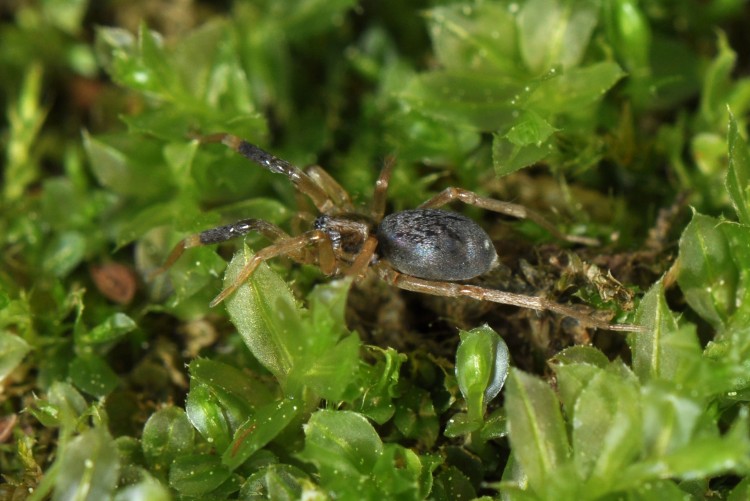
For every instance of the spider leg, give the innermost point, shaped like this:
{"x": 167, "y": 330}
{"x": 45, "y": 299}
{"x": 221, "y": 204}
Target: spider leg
{"x": 381, "y": 187}
{"x": 452, "y": 289}
{"x": 220, "y": 234}
{"x": 359, "y": 266}
{"x": 333, "y": 189}
{"x": 449, "y": 195}
{"x": 282, "y": 247}
{"x": 301, "y": 181}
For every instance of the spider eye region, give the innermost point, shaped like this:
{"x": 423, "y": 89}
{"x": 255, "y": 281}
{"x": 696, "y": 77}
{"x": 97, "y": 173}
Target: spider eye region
{"x": 435, "y": 245}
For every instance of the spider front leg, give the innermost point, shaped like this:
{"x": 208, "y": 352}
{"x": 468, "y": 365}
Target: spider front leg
{"x": 287, "y": 246}
{"x": 218, "y": 235}
{"x": 449, "y": 195}
{"x": 301, "y": 181}
{"x": 452, "y": 289}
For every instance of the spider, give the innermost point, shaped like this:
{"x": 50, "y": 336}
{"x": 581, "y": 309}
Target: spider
{"x": 426, "y": 249}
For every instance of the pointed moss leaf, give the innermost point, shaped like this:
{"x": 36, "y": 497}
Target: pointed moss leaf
{"x": 330, "y": 372}
{"x": 303, "y": 18}
{"x": 147, "y": 67}
{"x": 69, "y": 403}
{"x": 237, "y": 393}
{"x": 482, "y": 363}
{"x": 452, "y": 483}
{"x": 260, "y": 429}
{"x": 574, "y": 368}
{"x": 486, "y": 102}
{"x": 198, "y": 474}
{"x": 148, "y": 488}
{"x": 112, "y": 329}
{"x": 669, "y": 420}
{"x": 537, "y": 432}
{"x": 629, "y": 33}
{"x": 460, "y": 424}
{"x": 212, "y": 48}
{"x": 415, "y": 416}
{"x": 398, "y": 473}
{"x": 206, "y": 414}
{"x": 12, "y": 351}
{"x": 707, "y": 274}
{"x": 707, "y": 455}
{"x": 717, "y": 85}
{"x": 266, "y": 315}
{"x": 495, "y": 426}
{"x": 65, "y": 252}
{"x": 738, "y": 235}
{"x": 125, "y": 166}
{"x": 328, "y": 361}
{"x": 474, "y": 37}
{"x": 575, "y": 89}
{"x": 647, "y": 347}
{"x": 580, "y": 355}
{"x": 109, "y": 165}
{"x": 529, "y": 129}
{"x": 328, "y": 306}
{"x": 88, "y": 467}
{"x": 508, "y": 157}
{"x": 275, "y": 481}
{"x": 93, "y": 375}
{"x": 341, "y": 444}
{"x": 555, "y": 32}
{"x": 380, "y": 383}
{"x": 738, "y": 174}
{"x": 606, "y": 428}
{"x": 167, "y": 435}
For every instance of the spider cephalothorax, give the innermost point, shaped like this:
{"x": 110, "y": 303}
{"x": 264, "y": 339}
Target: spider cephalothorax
{"x": 424, "y": 249}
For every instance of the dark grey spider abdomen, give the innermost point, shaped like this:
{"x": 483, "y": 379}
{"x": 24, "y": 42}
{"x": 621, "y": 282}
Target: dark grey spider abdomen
{"x": 435, "y": 245}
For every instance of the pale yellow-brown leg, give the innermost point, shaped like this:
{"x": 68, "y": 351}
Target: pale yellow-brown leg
{"x": 451, "y": 289}
{"x": 287, "y": 246}
{"x": 449, "y": 195}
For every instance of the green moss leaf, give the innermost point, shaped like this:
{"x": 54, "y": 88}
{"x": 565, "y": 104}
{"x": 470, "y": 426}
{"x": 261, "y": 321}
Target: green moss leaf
{"x": 93, "y": 375}
{"x": 267, "y": 317}
{"x": 65, "y": 252}
{"x": 573, "y": 90}
{"x": 344, "y": 447}
{"x": 574, "y": 368}
{"x": 607, "y": 429}
{"x": 88, "y": 467}
{"x": 705, "y": 456}
{"x": 341, "y": 441}
{"x": 508, "y": 157}
{"x": 537, "y": 432}
{"x": 738, "y": 175}
{"x": 486, "y": 102}
{"x": 261, "y": 428}
{"x": 707, "y": 275}
{"x": 276, "y": 481}
{"x": 230, "y": 387}
{"x": 555, "y": 32}
{"x": 167, "y": 435}
{"x": 198, "y": 474}
{"x": 12, "y": 351}
{"x": 205, "y": 412}
{"x": 380, "y": 381}
{"x": 474, "y": 37}
{"x": 113, "y": 328}
{"x": 647, "y": 347}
